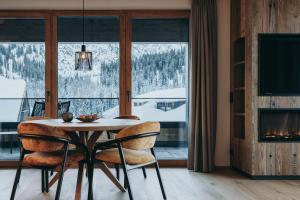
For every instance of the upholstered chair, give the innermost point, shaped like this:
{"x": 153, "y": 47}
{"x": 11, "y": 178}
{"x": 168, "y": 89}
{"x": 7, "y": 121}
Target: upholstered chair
{"x": 46, "y": 148}
{"x": 133, "y": 147}
{"x": 111, "y": 134}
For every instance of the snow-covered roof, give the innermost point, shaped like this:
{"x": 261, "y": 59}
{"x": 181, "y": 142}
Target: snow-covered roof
{"x": 10, "y": 108}
{"x": 167, "y": 93}
{"x": 10, "y": 88}
{"x": 149, "y": 111}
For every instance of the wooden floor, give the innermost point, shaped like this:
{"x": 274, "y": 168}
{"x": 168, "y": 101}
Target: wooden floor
{"x": 180, "y": 185}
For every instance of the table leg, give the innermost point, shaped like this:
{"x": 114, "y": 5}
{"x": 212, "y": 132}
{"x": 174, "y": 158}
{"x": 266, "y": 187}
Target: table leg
{"x": 83, "y": 137}
{"x": 108, "y": 173}
{"x": 93, "y": 139}
{"x": 79, "y": 182}
{"x": 89, "y": 142}
{"x": 55, "y": 178}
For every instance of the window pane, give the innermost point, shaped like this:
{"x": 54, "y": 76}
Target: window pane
{"x": 22, "y": 77}
{"x": 159, "y": 73}
{"x": 95, "y": 91}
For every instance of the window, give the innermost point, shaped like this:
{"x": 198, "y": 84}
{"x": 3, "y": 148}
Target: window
{"x": 159, "y": 76}
{"x": 140, "y": 66}
{"x": 22, "y": 77}
{"x": 95, "y": 91}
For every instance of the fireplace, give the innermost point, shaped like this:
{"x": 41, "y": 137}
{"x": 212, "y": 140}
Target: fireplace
{"x": 279, "y": 125}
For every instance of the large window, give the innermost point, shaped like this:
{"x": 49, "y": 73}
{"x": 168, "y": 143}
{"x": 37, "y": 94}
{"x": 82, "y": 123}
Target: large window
{"x": 140, "y": 65}
{"x": 22, "y": 77}
{"x": 159, "y": 76}
{"x": 95, "y": 91}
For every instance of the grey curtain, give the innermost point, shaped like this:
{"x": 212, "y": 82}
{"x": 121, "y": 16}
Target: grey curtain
{"x": 203, "y": 86}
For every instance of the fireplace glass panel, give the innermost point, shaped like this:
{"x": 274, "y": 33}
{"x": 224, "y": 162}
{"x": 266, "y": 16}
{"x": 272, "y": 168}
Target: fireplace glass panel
{"x": 279, "y": 125}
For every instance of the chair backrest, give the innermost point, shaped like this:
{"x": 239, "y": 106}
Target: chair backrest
{"x": 40, "y": 145}
{"x": 63, "y": 107}
{"x": 38, "y": 109}
{"x": 128, "y": 117}
{"x": 140, "y": 143}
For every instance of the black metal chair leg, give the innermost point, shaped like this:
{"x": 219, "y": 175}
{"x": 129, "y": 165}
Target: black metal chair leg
{"x": 87, "y": 171}
{"x": 160, "y": 181}
{"x": 17, "y": 178}
{"x": 125, "y": 183}
{"x": 159, "y": 177}
{"x": 117, "y": 171}
{"x": 144, "y": 172}
{"x": 43, "y": 180}
{"x": 57, "y": 195}
{"x": 108, "y": 135}
{"x": 126, "y": 179}
{"x": 46, "y": 181}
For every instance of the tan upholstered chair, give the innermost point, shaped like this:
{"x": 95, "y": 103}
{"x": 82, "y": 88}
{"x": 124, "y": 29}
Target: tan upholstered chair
{"x": 111, "y": 134}
{"x": 132, "y": 148}
{"x": 45, "y": 148}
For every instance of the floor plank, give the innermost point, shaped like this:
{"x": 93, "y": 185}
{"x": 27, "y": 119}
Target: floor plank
{"x": 180, "y": 184}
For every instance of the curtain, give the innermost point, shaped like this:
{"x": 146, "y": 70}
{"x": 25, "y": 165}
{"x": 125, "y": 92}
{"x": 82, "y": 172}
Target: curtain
{"x": 203, "y": 86}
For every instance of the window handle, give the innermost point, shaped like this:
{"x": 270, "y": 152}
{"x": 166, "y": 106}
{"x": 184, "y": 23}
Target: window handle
{"x": 48, "y": 96}
{"x": 128, "y": 96}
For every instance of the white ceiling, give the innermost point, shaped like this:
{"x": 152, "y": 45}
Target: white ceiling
{"x": 94, "y": 4}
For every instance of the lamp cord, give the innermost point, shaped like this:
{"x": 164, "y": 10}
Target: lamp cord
{"x": 83, "y": 15}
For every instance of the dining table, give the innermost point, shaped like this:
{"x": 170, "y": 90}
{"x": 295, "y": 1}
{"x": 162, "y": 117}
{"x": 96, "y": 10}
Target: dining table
{"x": 87, "y": 133}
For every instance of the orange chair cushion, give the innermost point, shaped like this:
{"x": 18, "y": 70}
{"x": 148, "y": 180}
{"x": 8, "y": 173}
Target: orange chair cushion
{"x": 132, "y": 157}
{"x": 43, "y": 159}
{"x": 141, "y": 143}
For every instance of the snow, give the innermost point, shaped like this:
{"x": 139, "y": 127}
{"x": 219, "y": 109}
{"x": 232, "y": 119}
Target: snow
{"x": 158, "y": 71}
{"x": 10, "y": 88}
{"x": 167, "y": 94}
{"x": 10, "y": 108}
{"x": 149, "y": 112}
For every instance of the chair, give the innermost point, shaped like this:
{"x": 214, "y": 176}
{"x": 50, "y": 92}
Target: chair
{"x": 130, "y": 149}
{"x": 46, "y": 148}
{"x": 39, "y": 108}
{"x": 109, "y": 136}
{"x": 133, "y": 117}
{"x": 63, "y": 107}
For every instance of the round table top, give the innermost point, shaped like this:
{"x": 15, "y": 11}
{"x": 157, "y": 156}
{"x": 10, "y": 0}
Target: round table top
{"x": 98, "y": 125}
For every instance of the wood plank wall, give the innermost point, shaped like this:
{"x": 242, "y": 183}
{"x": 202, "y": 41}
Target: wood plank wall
{"x": 264, "y": 16}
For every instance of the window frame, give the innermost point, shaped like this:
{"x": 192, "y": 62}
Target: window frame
{"x": 51, "y": 56}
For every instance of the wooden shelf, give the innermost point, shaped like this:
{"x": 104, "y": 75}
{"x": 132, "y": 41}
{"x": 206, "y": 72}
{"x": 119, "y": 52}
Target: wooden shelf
{"x": 239, "y": 63}
{"x": 238, "y": 80}
{"x": 239, "y": 89}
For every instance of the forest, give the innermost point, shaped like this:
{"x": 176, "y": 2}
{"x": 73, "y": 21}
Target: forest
{"x": 154, "y": 67}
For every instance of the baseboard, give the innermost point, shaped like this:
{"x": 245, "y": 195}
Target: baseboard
{"x": 266, "y": 177}
{"x": 173, "y": 163}
{"x": 280, "y": 177}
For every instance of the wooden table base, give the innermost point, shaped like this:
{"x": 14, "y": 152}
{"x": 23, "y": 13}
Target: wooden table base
{"x": 89, "y": 143}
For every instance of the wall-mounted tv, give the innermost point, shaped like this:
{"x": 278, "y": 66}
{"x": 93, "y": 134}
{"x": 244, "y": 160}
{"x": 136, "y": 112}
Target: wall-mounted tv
{"x": 279, "y": 64}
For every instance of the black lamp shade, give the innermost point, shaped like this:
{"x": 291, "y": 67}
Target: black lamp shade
{"x": 83, "y": 60}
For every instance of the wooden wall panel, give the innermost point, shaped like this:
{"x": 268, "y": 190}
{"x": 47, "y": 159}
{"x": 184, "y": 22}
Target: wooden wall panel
{"x": 264, "y": 16}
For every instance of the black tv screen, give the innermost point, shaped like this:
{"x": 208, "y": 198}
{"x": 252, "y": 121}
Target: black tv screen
{"x": 279, "y": 64}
